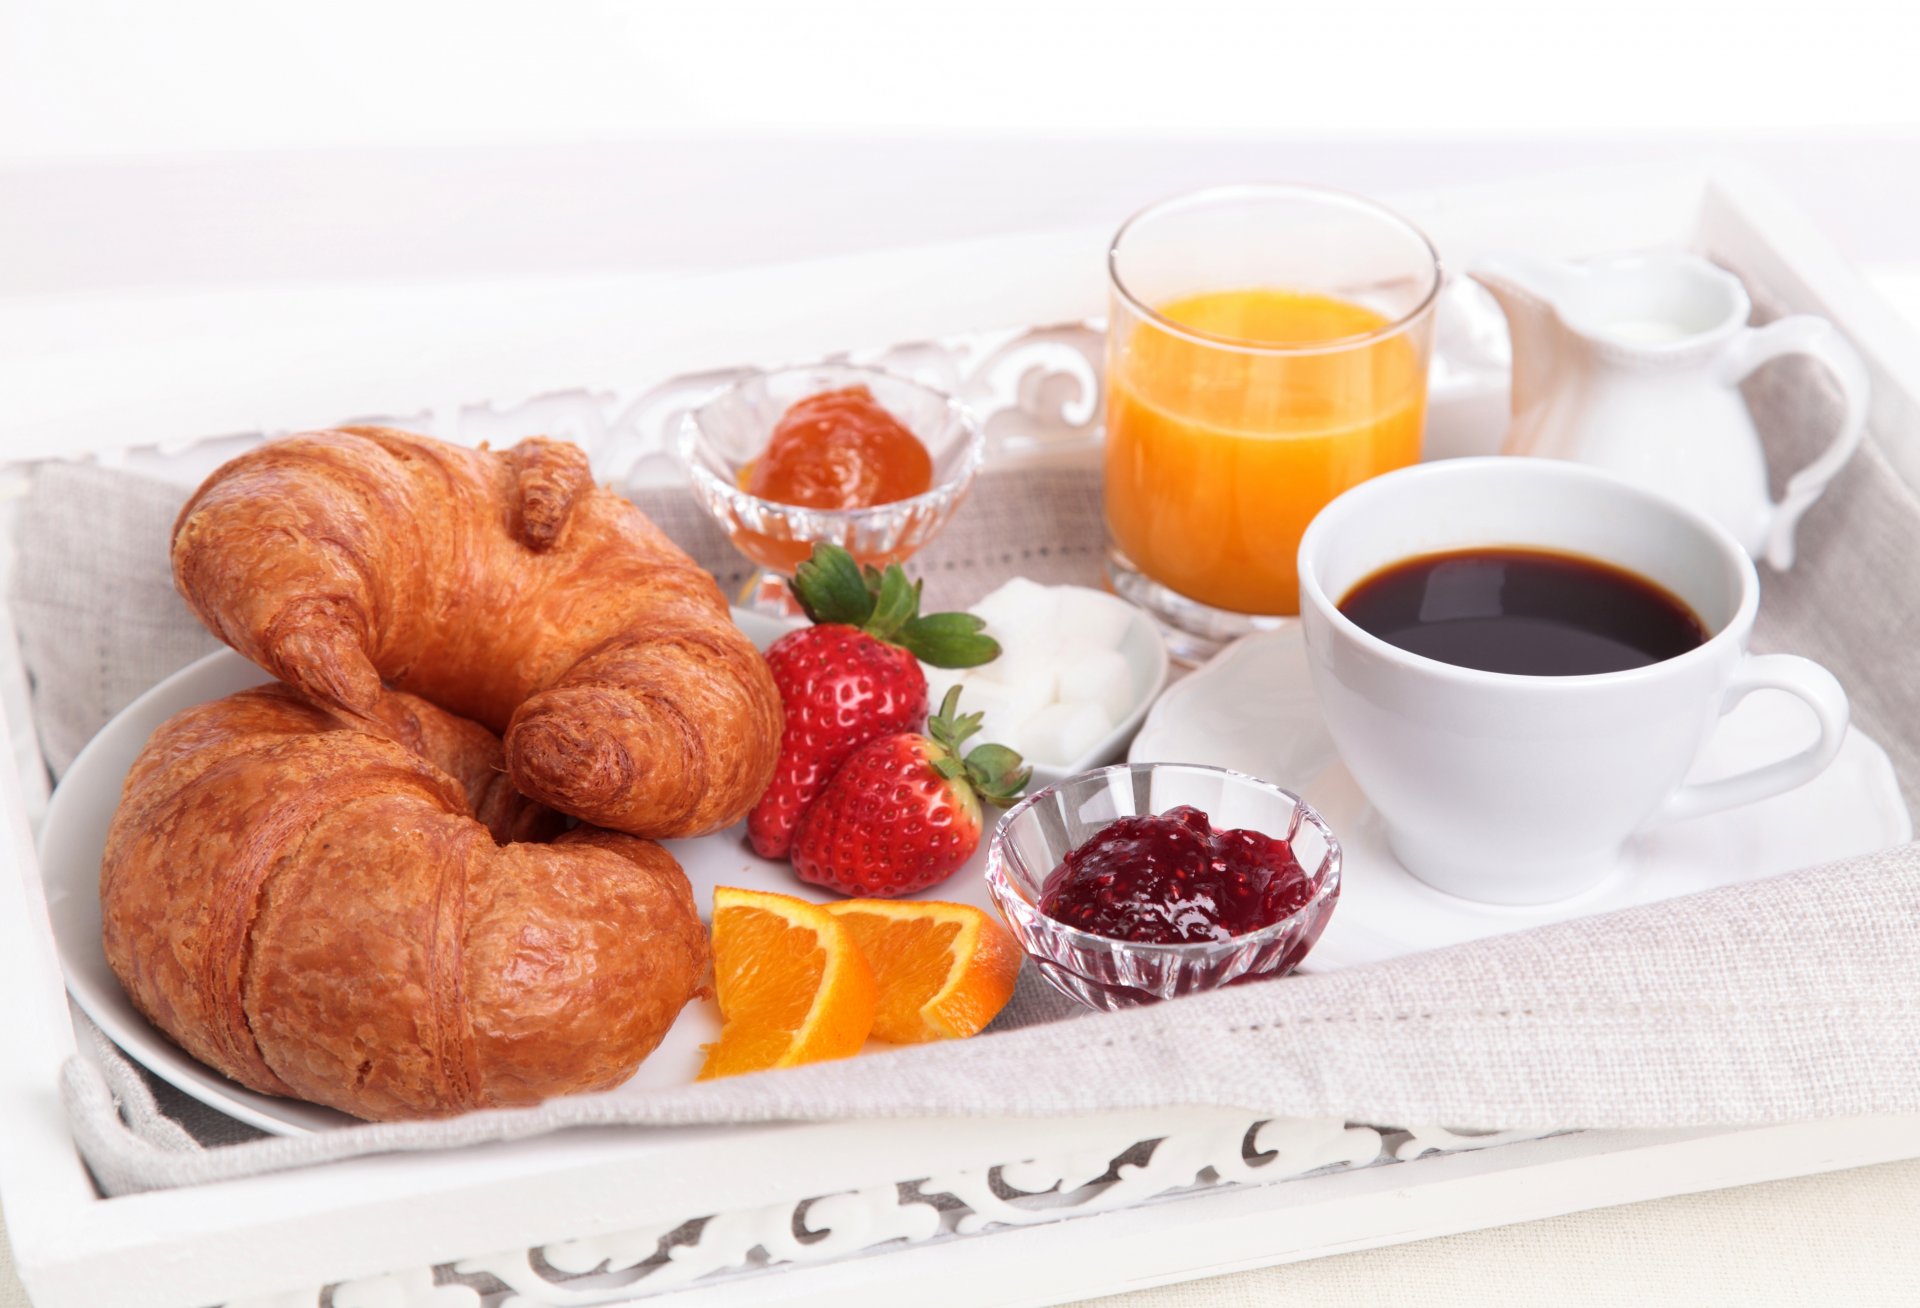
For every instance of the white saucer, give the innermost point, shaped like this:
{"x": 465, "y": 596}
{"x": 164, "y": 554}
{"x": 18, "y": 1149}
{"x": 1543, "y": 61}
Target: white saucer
{"x": 75, "y": 835}
{"x": 1252, "y": 708}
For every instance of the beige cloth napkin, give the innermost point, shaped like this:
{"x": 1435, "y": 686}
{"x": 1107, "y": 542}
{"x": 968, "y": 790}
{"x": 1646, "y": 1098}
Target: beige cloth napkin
{"x": 1778, "y": 1000}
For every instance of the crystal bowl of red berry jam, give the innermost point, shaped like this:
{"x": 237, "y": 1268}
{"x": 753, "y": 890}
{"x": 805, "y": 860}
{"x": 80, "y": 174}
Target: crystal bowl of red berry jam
{"x": 1136, "y": 883}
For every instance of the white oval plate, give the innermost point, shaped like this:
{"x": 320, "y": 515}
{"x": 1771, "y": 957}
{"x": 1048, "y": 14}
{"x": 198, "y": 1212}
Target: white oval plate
{"x": 75, "y": 835}
{"x": 1252, "y": 708}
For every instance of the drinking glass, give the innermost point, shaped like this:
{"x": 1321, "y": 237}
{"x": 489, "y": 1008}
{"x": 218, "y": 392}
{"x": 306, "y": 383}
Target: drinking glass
{"x": 1267, "y": 349}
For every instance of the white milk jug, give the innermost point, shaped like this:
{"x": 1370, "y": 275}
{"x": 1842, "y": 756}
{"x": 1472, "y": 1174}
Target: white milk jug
{"x": 1634, "y": 365}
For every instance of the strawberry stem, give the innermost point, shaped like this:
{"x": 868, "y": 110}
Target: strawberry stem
{"x": 893, "y": 606}
{"x": 995, "y": 772}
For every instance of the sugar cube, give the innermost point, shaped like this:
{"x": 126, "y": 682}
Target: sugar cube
{"x": 1093, "y": 616}
{"x": 1005, "y": 707}
{"x": 1100, "y": 677}
{"x": 1061, "y": 733}
{"x": 1035, "y": 672}
{"x": 938, "y": 681}
{"x": 1020, "y": 608}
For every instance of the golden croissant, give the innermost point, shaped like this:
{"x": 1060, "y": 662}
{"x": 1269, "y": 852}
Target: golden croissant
{"x": 504, "y": 587}
{"x": 319, "y": 911}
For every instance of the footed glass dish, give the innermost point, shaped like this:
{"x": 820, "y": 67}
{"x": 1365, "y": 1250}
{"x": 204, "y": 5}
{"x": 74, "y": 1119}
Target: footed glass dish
{"x": 1107, "y": 973}
{"x": 720, "y": 438}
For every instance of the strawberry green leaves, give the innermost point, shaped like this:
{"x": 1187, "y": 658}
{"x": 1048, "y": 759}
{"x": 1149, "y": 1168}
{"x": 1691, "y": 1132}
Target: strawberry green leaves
{"x": 833, "y": 588}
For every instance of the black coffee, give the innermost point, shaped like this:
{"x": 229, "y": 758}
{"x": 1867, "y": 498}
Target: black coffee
{"x": 1531, "y": 612}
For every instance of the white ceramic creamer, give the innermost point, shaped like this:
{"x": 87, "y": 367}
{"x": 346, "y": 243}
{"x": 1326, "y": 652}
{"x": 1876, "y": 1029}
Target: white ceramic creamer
{"x": 1634, "y": 365}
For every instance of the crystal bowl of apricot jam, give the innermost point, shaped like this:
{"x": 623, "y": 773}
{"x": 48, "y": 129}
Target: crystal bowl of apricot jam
{"x": 1140, "y": 882}
{"x": 869, "y": 460}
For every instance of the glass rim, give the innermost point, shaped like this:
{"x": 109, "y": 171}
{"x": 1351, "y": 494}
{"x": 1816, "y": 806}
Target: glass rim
{"x": 1248, "y": 190}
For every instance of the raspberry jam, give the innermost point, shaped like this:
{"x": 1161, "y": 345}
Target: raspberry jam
{"x": 1173, "y": 879}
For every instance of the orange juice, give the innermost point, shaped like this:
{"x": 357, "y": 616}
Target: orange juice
{"x": 1219, "y": 452}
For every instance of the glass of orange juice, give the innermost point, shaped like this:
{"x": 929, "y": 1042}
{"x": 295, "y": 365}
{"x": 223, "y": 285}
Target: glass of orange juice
{"x": 1267, "y": 349}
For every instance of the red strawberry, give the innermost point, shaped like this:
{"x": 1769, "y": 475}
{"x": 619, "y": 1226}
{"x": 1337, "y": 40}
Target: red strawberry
{"x": 903, "y": 812}
{"x": 853, "y": 676}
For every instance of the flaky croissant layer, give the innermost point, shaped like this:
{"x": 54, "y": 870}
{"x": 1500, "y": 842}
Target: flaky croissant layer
{"x": 320, "y": 912}
{"x": 504, "y": 587}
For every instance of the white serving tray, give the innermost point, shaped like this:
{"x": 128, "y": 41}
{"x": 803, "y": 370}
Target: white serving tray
{"x": 432, "y": 354}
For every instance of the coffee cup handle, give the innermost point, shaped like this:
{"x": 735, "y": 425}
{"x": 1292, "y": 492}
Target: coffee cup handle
{"x": 1807, "y": 681}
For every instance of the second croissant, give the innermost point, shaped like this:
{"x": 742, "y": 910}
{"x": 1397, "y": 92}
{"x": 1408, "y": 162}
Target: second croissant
{"x": 505, "y": 587}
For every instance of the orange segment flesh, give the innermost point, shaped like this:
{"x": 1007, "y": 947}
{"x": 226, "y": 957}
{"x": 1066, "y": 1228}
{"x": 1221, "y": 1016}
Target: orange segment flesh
{"x": 792, "y": 984}
{"x": 944, "y": 970}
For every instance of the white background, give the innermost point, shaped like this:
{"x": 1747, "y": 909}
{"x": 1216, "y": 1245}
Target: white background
{"x": 152, "y": 148}
{"x": 113, "y": 76}
{"x": 203, "y": 141}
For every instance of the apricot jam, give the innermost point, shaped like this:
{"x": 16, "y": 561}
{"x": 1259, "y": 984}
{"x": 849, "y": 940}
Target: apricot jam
{"x": 839, "y": 450}
{"x": 1172, "y": 879}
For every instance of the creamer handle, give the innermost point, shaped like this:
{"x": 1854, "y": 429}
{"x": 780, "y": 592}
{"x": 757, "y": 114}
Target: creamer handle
{"x": 1819, "y": 340}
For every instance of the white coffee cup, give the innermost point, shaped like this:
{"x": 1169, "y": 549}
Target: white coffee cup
{"x": 1519, "y": 789}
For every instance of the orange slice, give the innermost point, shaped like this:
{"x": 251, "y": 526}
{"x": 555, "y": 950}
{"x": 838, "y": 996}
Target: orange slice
{"x": 792, "y": 984}
{"x": 944, "y": 970}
